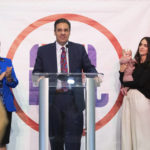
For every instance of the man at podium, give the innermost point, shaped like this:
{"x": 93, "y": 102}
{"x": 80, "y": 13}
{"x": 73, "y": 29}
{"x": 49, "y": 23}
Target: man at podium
{"x": 66, "y": 106}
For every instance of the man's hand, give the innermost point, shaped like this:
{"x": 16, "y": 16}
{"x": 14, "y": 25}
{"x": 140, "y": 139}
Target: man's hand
{"x": 40, "y": 78}
{"x": 98, "y": 80}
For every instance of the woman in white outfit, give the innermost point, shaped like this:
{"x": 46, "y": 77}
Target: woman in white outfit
{"x": 136, "y": 104}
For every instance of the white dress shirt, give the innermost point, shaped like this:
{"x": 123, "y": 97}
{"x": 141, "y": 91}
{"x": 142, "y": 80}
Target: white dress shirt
{"x": 58, "y": 53}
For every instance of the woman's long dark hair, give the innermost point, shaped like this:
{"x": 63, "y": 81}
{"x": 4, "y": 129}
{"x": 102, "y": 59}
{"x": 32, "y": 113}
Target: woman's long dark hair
{"x": 137, "y": 55}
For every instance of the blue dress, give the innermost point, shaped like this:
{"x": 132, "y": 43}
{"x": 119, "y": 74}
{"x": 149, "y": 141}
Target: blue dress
{"x": 7, "y": 97}
{"x": 5, "y": 87}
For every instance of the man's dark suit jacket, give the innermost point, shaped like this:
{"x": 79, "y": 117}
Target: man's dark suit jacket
{"x": 78, "y": 60}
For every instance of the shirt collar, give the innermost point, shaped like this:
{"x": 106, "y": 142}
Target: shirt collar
{"x": 58, "y": 46}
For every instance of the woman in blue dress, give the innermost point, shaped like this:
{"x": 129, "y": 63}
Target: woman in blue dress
{"x": 8, "y": 80}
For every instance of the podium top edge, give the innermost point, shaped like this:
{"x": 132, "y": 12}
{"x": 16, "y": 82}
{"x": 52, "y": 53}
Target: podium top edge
{"x": 65, "y": 74}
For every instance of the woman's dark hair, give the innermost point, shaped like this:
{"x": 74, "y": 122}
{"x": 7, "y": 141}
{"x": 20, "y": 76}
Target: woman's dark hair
{"x": 137, "y": 55}
{"x": 62, "y": 20}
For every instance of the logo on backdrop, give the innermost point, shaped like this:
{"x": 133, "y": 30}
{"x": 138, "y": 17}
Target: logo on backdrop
{"x": 91, "y": 52}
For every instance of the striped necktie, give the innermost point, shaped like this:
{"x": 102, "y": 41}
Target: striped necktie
{"x": 64, "y": 68}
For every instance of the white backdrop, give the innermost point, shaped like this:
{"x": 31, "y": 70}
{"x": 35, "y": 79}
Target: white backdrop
{"x": 104, "y": 27}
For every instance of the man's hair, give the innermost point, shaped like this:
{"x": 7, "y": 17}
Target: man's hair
{"x": 62, "y": 20}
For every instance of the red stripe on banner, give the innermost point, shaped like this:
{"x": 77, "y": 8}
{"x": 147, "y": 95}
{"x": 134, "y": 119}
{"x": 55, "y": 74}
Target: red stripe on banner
{"x": 25, "y": 118}
{"x": 109, "y": 115}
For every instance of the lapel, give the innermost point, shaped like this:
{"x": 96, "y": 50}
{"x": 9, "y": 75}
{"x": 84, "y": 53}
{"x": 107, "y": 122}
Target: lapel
{"x": 72, "y": 61}
{"x": 53, "y": 57}
{"x": 71, "y": 56}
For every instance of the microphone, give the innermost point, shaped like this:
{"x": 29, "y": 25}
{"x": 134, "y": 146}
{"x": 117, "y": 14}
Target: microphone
{"x": 67, "y": 46}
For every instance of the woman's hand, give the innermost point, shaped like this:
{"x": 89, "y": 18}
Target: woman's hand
{"x": 8, "y": 72}
{"x": 123, "y": 67}
{"x": 2, "y": 75}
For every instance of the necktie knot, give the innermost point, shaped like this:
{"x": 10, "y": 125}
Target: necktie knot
{"x": 63, "y": 49}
